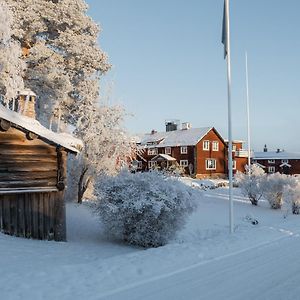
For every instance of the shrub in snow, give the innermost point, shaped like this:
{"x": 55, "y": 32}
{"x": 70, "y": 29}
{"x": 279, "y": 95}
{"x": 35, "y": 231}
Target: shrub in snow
{"x": 274, "y": 186}
{"x": 292, "y": 196}
{"x": 251, "y": 184}
{"x": 145, "y": 209}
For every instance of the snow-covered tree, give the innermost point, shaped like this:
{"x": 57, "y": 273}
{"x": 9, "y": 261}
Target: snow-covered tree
{"x": 60, "y": 47}
{"x": 274, "y": 186}
{"x": 291, "y": 196}
{"x": 251, "y": 183}
{"x": 145, "y": 209}
{"x": 107, "y": 146}
{"x": 11, "y": 65}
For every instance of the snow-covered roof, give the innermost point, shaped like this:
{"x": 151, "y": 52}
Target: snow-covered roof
{"x": 276, "y": 155}
{"x": 186, "y": 137}
{"x": 63, "y": 139}
{"x": 164, "y": 156}
{"x": 26, "y": 92}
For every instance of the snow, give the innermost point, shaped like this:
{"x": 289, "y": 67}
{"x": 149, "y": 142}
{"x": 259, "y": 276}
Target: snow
{"x": 188, "y": 137}
{"x": 203, "y": 262}
{"x": 276, "y": 155}
{"x": 64, "y": 139}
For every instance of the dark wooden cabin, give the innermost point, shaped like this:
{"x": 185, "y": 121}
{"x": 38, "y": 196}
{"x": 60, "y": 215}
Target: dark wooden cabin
{"x": 32, "y": 174}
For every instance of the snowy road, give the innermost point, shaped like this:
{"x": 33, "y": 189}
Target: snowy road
{"x": 268, "y": 272}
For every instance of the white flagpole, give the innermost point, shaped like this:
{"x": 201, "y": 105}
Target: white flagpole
{"x": 230, "y": 166}
{"x": 248, "y": 116}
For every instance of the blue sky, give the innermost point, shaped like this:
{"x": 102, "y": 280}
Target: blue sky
{"x": 168, "y": 63}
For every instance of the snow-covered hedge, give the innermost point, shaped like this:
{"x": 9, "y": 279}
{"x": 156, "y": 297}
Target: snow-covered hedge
{"x": 145, "y": 209}
{"x": 251, "y": 186}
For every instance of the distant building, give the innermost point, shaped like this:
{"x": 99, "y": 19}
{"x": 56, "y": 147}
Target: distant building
{"x": 278, "y": 161}
{"x": 202, "y": 152}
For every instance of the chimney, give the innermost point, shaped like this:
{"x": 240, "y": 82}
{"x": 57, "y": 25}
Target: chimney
{"x": 171, "y": 125}
{"x": 265, "y": 148}
{"x": 26, "y": 103}
{"x": 186, "y": 126}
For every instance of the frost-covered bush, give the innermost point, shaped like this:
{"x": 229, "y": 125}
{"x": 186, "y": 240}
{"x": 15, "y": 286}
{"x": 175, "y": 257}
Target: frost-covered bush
{"x": 251, "y": 184}
{"x": 145, "y": 209}
{"x": 274, "y": 186}
{"x": 291, "y": 196}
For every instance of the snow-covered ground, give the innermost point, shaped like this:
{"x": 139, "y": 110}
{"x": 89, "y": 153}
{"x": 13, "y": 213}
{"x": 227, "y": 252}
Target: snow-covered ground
{"x": 92, "y": 267}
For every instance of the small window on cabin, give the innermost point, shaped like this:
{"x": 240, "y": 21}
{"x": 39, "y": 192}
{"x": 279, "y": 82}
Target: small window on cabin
{"x": 285, "y": 161}
{"x": 233, "y": 164}
{"x": 183, "y": 150}
{"x": 206, "y": 145}
{"x": 152, "y": 151}
{"x": 271, "y": 161}
{"x": 233, "y": 147}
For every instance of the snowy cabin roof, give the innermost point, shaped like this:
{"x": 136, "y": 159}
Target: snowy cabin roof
{"x": 163, "y": 157}
{"x": 63, "y": 139}
{"x": 276, "y": 155}
{"x": 186, "y": 137}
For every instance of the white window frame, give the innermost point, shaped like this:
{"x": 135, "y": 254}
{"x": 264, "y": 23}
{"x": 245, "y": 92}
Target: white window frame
{"x": 271, "y": 161}
{"x": 285, "y": 161}
{"x": 152, "y": 164}
{"x": 184, "y": 163}
{"x": 271, "y": 169}
{"x": 183, "y": 150}
{"x": 233, "y": 164}
{"x": 234, "y": 148}
{"x": 139, "y": 165}
{"x": 168, "y": 150}
{"x": 152, "y": 151}
{"x": 208, "y": 167}
{"x": 206, "y": 145}
{"x": 215, "y": 146}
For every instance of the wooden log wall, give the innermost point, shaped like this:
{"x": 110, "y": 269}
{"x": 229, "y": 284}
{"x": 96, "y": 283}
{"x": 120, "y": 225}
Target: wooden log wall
{"x": 26, "y": 163}
{"x": 33, "y": 215}
{"x": 31, "y": 200}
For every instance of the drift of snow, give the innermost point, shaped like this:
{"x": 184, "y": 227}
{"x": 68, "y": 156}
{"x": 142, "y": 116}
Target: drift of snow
{"x": 90, "y": 266}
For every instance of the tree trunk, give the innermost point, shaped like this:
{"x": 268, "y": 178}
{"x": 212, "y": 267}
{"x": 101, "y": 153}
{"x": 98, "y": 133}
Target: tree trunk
{"x": 82, "y": 184}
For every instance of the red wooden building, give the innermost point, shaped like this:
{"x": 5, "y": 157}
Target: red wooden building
{"x": 202, "y": 152}
{"x": 278, "y": 161}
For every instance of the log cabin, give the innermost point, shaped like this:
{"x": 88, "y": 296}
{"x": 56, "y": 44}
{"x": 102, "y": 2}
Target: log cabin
{"x": 32, "y": 173}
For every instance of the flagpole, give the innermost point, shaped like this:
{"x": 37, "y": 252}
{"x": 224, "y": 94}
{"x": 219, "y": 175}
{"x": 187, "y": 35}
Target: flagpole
{"x": 230, "y": 166}
{"x": 248, "y": 116}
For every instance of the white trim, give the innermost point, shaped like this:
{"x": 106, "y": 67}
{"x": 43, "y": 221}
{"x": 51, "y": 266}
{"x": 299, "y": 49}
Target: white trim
{"x": 184, "y": 162}
{"x": 271, "y": 161}
{"x": 210, "y": 164}
{"x": 233, "y": 164}
{"x": 152, "y": 164}
{"x": 206, "y": 145}
{"x": 183, "y": 150}
{"x": 168, "y": 150}
{"x": 152, "y": 151}
{"x": 27, "y": 190}
{"x": 215, "y": 146}
{"x": 271, "y": 169}
{"x": 285, "y": 161}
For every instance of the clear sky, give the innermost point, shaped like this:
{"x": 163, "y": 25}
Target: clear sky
{"x": 168, "y": 63}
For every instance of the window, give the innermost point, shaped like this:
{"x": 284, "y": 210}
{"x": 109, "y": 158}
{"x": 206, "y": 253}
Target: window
{"x": 233, "y": 147}
{"x": 271, "y": 161}
{"x": 285, "y": 161}
{"x": 140, "y": 165}
{"x": 271, "y": 170}
{"x": 210, "y": 164}
{"x": 152, "y": 164}
{"x": 184, "y": 163}
{"x": 152, "y": 151}
{"x": 215, "y": 146}
{"x": 233, "y": 164}
{"x": 183, "y": 150}
{"x": 168, "y": 150}
{"x": 254, "y": 161}
{"x": 206, "y": 145}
